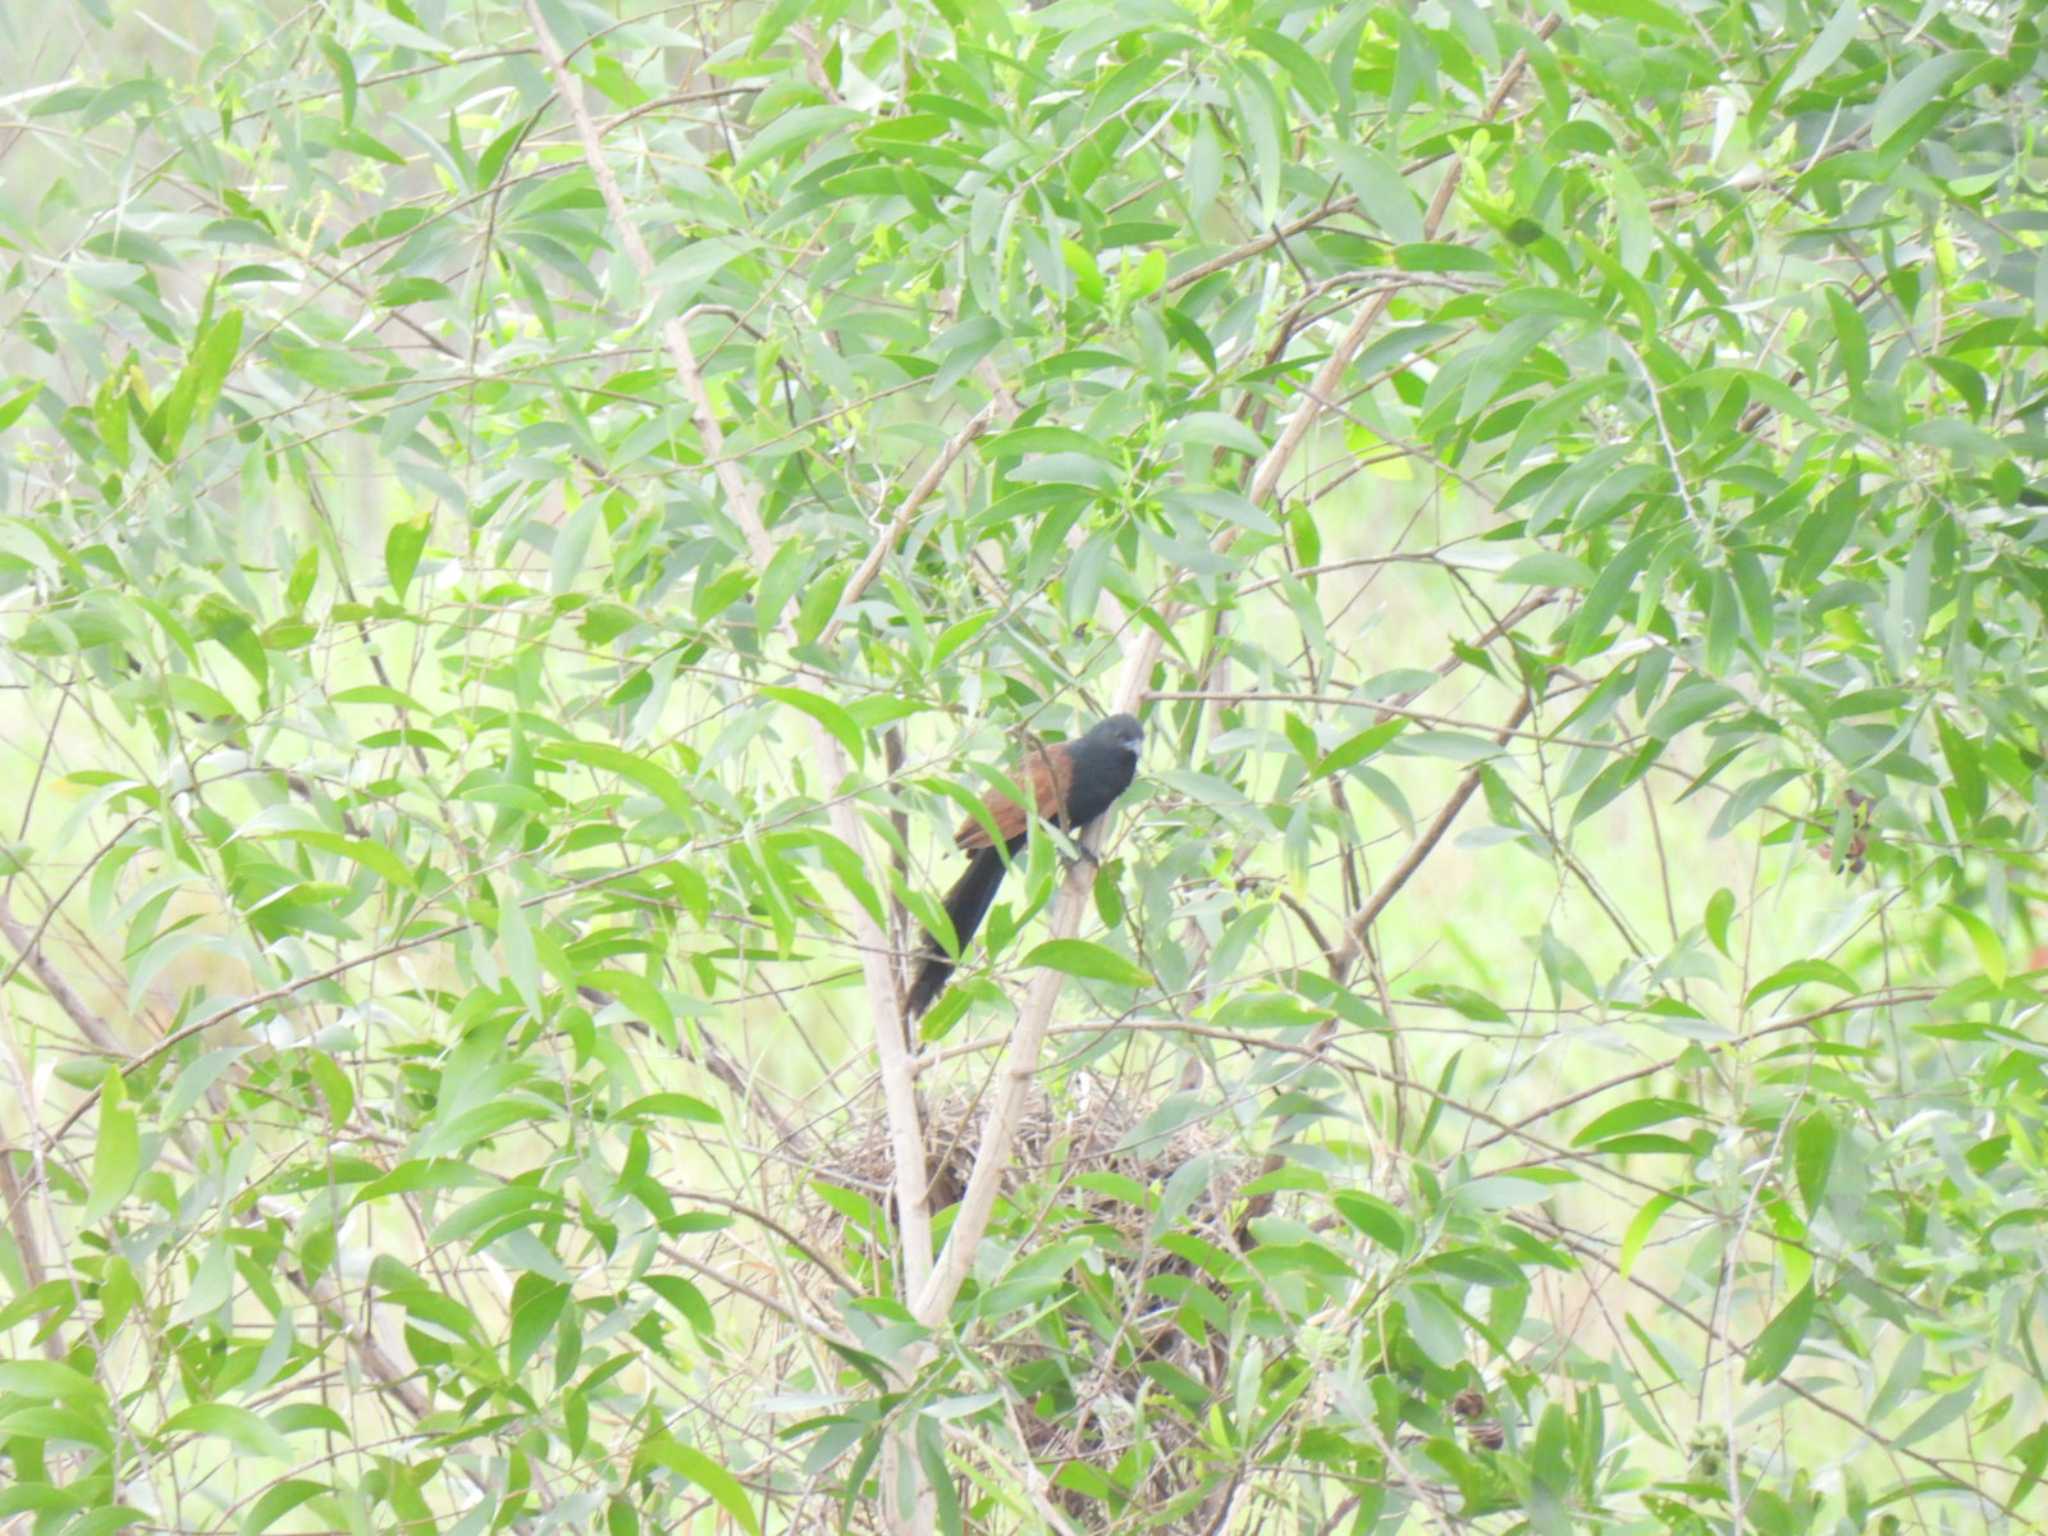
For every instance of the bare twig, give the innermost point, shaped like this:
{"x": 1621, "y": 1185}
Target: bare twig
{"x": 1361, "y": 923}
{"x": 21, "y": 1224}
{"x": 999, "y": 1125}
{"x": 919, "y": 495}
{"x": 29, "y": 947}
{"x": 885, "y": 1002}
{"x": 1026, "y": 1040}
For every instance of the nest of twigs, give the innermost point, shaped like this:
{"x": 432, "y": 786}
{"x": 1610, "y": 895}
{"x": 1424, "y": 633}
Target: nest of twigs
{"x": 1110, "y": 1385}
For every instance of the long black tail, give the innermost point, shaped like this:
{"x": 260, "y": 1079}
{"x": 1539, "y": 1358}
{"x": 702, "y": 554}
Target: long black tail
{"x": 966, "y": 905}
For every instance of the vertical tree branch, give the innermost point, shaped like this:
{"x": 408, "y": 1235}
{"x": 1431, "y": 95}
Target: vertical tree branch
{"x": 1020, "y": 1065}
{"x": 884, "y": 1000}
{"x": 1360, "y": 924}
{"x": 28, "y": 945}
{"x": 21, "y": 1223}
{"x": 999, "y": 1126}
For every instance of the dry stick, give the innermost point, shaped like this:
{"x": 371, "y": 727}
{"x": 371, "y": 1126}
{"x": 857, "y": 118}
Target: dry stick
{"x": 1847, "y": 1005}
{"x": 999, "y": 1126}
{"x": 919, "y": 495}
{"x": 1361, "y": 923}
{"x": 21, "y": 1222}
{"x": 1572, "y": 1240}
{"x": 29, "y": 947}
{"x": 999, "y": 1130}
{"x": 898, "y": 1089}
{"x": 1346, "y": 954}
{"x": 369, "y": 1350}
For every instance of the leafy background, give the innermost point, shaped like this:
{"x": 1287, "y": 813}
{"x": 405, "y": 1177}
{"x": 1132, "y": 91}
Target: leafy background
{"x": 525, "y": 524}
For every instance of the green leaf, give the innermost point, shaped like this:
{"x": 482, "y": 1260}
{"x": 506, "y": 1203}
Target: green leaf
{"x": 16, "y": 405}
{"x": 1350, "y": 753}
{"x": 334, "y": 1084}
{"x": 831, "y": 716}
{"x": 195, "y": 697}
{"x": 940, "y": 1483}
{"x": 1780, "y": 1339}
{"x": 2031, "y": 1455}
{"x": 1639, "y": 1229}
{"x": 662, "y": 1449}
{"x": 646, "y": 773}
{"x": 1615, "y": 778}
{"x": 1798, "y": 974}
{"x": 1067, "y": 469}
{"x": 1689, "y": 705}
{"x": 211, "y": 360}
{"x": 515, "y": 942}
{"x": 1383, "y": 194}
{"x": 677, "y": 1106}
{"x": 345, "y": 76}
{"x": 1904, "y": 98}
{"x": 1652, "y": 13}
{"x": 1473, "y": 1005}
{"x": 688, "y": 1302}
{"x": 402, "y": 546}
{"x": 1943, "y": 1412}
{"x": 1546, "y": 568}
{"x": 1990, "y": 951}
{"x": 279, "y": 1500}
{"x": 1720, "y": 911}
{"x": 1610, "y": 589}
{"x": 572, "y": 545}
{"x": 369, "y": 147}
{"x": 1965, "y": 765}
{"x": 1813, "y": 1155}
{"x": 117, "y": 1158}
{"x": 537, "y": 1305}
{"x": 1724, "y": 617}
{"x": 1375, "y": 1218}
{"x": 377, "y": 693}
{"x": 639, "y": 996}
{"x": 375, "y": 857}
{"x": 1633, "y": 1116}
{"x": 413, "y": 290}
{"x": 1088, "y": 961}
{"x": 1826, "y": 46}
{"x": 1852, "y": 339}
{"x": 238, "y": 1426}
{"x": 47, "y": 1381}
{"x": 1433, "y": 1325}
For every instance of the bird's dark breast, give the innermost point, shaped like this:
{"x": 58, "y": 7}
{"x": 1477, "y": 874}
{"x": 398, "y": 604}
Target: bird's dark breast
{"x": 1100, "y": 775}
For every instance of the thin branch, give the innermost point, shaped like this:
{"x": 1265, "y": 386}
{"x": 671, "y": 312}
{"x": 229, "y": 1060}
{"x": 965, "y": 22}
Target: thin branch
{"x": 1027, "y": 1039}
{"x": 999, "y": 1126}
{"x": 919, "y": 495}
{"x": 1356, "y": 929}
{"x": 21, "y": 1224}
{"x": 1266, "y": 476}
{"x": 29, "y": 947}
{"x": 885, "y": 1001}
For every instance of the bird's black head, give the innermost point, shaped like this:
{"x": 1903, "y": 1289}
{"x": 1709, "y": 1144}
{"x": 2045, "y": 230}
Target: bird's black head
{"x": 1120, "y": 731}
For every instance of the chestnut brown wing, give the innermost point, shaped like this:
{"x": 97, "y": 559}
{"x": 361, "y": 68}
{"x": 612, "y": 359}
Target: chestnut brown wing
{"x": 1048, "y": 771}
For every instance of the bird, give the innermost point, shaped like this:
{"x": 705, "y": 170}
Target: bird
{"x": 1071, "y": 784}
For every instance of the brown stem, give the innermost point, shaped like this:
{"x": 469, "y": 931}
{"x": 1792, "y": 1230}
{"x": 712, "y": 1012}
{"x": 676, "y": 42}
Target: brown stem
{"x": 29, "y": 947}
{"x": 743, "y": 504}
{"x": 1356, "y": 929}
{"x": 21, "y": 1222}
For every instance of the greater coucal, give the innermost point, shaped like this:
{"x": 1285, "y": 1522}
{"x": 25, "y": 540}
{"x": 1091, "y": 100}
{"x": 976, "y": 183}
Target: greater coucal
{"x": 1070, "y": 783}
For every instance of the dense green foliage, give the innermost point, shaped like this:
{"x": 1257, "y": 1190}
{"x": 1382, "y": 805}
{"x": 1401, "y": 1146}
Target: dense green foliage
{"x": 1551, "y": 1042}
